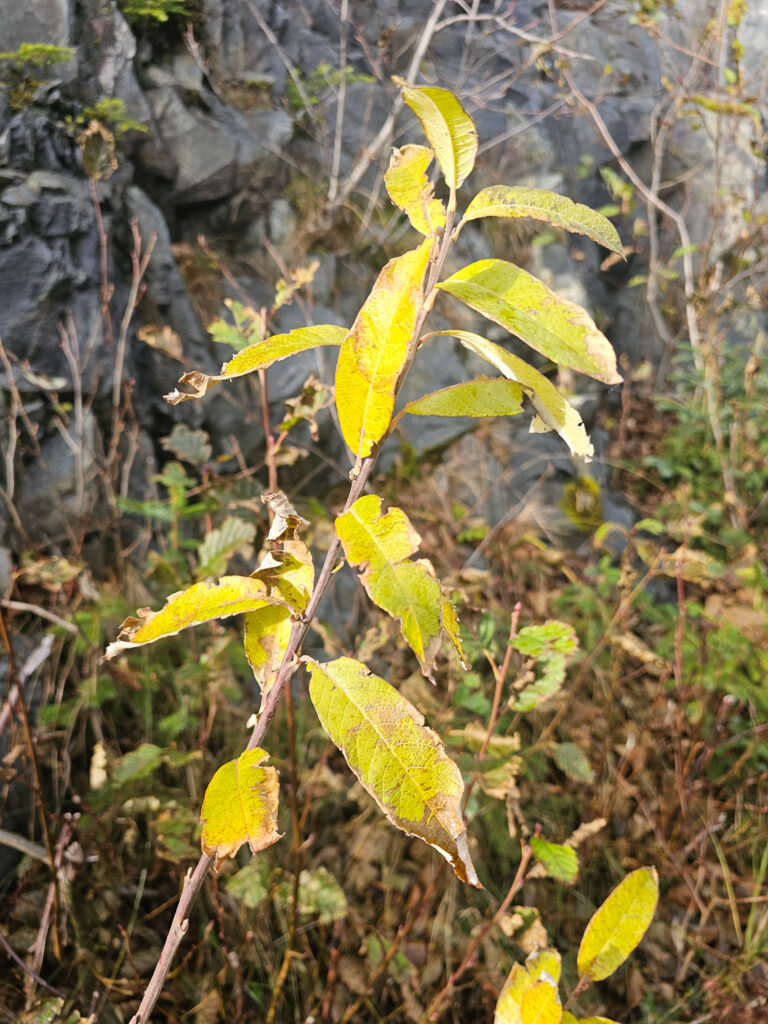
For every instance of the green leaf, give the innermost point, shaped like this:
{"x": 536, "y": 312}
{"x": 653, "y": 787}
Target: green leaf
{"x": 138, "y": 764}
{"x": 234, "y": 536}
{"x": 538, "y": 203}
{"x": 321, "y": 897}
{"x": 258, "y": 357}
{"x": 376, "y": 349}
{"x": 551, "y": 646}
{"x": 240, "y": 806}
{"x": 250, "y": 885}
{"x": 619, "y": 924}
{"x": 554, "y": 412}
{"x": 484, "y": 396}
{"x": 400, "y": 762}
{"x": 573, "y": 761}
{"x": 199, "y": 603}
{"x": 559, "y": 861}
{"x": 411, "y": 190}
{"x": 554, "y": 326}
{"x": 449, "y": 129}
{"x": 192, "y": 446}
{"x": 409, "y": 591}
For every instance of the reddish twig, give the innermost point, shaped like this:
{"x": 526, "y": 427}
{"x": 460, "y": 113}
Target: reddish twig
{"x": 437, "y": 1006}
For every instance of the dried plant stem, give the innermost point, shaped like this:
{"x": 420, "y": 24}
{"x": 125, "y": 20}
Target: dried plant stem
{"x": 436, "y": 1008}
{"x": 499, "y": 675}
{"x": 701, "y": 360}
{"x": 193, "y": 882}
{"x": 21, "y": 706}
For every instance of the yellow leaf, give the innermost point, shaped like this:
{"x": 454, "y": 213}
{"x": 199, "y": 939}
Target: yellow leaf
{"x": 483, "y": 396}
{"x": 409, "y": 591}
{"x": 542, "y": 967}
{"x": 288, "y": 573}
{"x": 592, "y": 1020}
{"x": 266, "y": 634}
{"x": 619, "y": 924}
{"x": 240, "y": 806}
{"x": 411, "y": 190}
{"x": 539, "y": 204}
{"x": 399, "y": 761}
{"x": 550, "y": 324}
{"x": 376, "y": 349}
{"x": 553, "y": 411}
{"x": 201, "y": 602}
{"x": 449, "y": 129}
{"x": 258, "y": 357}
{"x": 540, "y": 1005}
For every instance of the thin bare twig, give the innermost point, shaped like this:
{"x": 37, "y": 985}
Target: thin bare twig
{"x": 338, "y": 135}
{"x": 438, "y": 1005}
{"x": 689, "y": 277}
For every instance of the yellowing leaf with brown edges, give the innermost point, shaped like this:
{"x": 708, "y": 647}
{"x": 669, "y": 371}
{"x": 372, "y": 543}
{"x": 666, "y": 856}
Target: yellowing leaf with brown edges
{"x": 411, "y": 190}
{"x": 258, "y": 357}
{"x": 240, "y": 806}
{"x": 619, "y": 924}
{"x": 376, "y": 349}
{"x": 540, "y": 204}
{"x": 449, "y": 129}
{"x": 399, "y": 761}
{"x": 289, "y": 575}
{"x": 380, "y": 543}
{"x": 550, "y": 324}
{"x": 201, "y": 602}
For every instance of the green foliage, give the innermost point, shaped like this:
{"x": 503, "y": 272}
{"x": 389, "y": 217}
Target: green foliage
{"x": 318, "y": 84}
{"x": 111, "y": 112}
{"x": 36, "y": 55}
{"x": 137, "y": 11}
{"x": 17, "y": 67}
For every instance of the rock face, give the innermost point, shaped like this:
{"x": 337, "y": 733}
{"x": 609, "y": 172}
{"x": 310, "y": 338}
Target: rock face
{"x": 244, "y": 130}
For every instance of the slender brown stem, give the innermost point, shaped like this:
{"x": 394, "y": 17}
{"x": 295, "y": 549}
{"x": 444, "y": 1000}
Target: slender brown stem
{"x": 14, "y": 685}
{"x": 500, "y": 675}
{"x": 193, "y": 883}
{"x": 436, "y": 1008}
